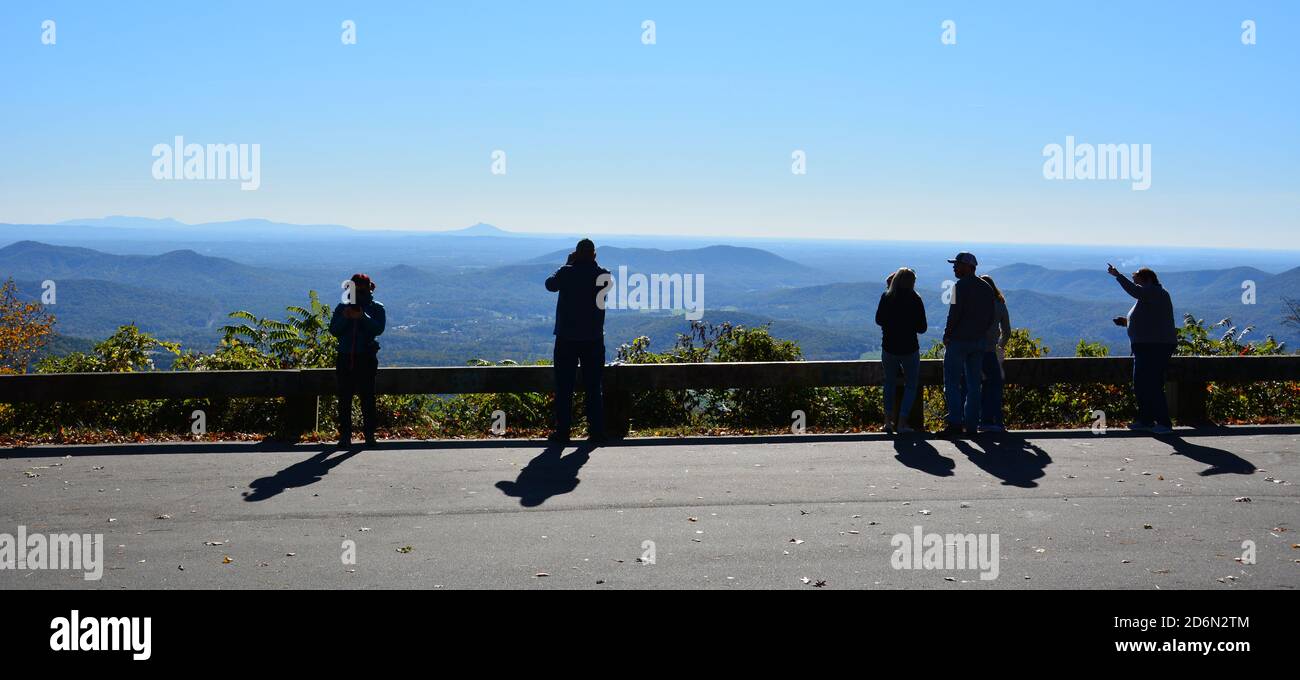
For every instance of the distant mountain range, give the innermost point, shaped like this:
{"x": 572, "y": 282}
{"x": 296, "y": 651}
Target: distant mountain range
{"x": 478, "y": 293}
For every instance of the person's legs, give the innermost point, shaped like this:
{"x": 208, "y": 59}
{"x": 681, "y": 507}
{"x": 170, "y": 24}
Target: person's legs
{"x": 953, "y": 368}
{"x": 991, "y": 402}
{"x": 1159, "y": 363}
{"x": 367, "y": 370}
{"x": 593, "y": 365}
{"x": 973, "y": 368}
{"x": 889, "y": 364}
{"x": 911, "y": 380}
{"x": 565, "y": 359}
{"x": 1141, "y": 384}
{"x": 345, "y": 390}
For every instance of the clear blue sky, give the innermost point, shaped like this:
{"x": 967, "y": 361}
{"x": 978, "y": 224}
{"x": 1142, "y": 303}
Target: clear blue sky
{"x": 906, "y": 138}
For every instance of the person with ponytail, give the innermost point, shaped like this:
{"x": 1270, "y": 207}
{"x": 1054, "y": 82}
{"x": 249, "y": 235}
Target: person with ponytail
{"x": 995, "y": 352}
{"x": 901, "y": 316}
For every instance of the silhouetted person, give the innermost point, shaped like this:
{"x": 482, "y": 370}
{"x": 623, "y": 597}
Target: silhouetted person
{"x": 356, "y": 326}
{"x": 900, "y": 315}
{"x": 965, "y": 336}
{"x": 1153, "y": 337}
{"x": 579, "y": 338}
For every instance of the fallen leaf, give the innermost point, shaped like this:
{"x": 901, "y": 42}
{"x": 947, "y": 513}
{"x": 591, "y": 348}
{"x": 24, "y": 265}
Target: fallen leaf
{"x": 795, "y": 541}
{"x": 226, "y": 560}
{"x": 541, "y": 574}
{"x": 1241, "y": 499}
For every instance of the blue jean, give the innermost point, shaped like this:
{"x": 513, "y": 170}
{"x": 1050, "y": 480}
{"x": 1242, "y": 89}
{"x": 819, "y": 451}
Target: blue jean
{"x": 963, "y": 359}
{"x": 1150, "y": 359}
{"x": 567, "y": 355}
{"x": 911, "y": 365}
{"x": 990, "y": 390}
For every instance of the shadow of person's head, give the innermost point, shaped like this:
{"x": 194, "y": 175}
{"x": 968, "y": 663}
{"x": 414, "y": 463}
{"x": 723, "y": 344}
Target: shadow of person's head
{"x": 299, "y": 474}
{"x": 1219, "y": 461}
{"x": 919, "y": 454}
{"x": 549, "y": 474}
{"x": 1009, "y": 457}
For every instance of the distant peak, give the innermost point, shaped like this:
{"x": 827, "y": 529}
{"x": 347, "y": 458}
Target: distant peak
{"x": 480, "y": 229}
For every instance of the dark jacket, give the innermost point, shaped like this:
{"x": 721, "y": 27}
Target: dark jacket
{"x": 1152, "y": 317}
{"x": 971, "y": 312}
{"x": 900, "y": 318}
{"x": 357, "y": 336}
{"x": 577, "y": 317}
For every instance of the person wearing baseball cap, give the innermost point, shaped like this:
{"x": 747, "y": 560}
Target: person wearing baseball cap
{"x": 970, "y": 313}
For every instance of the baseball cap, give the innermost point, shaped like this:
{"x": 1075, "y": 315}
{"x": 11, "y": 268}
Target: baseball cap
{"x": 965, "y": 258}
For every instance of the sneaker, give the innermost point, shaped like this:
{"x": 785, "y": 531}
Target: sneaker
{"x": 1161, "y": 429}
{"x": 992, "y": 428}
{"x": 597, "y": 437}
{"x": 1139, "y": 427}
{"x": 370, "y": 439}
{"x": 951, "y": 431}
{"x": 903, "y": 429}
{"x": 345, "y": 441}
{"x": 558, "y": 437}
{"x": 889, "y": 428}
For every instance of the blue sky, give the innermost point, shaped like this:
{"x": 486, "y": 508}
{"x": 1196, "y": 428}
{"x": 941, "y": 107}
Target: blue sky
{"x": 905, "y": 137}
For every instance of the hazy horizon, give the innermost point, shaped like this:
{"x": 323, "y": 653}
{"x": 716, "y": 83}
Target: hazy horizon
{"x": 693, "y": 236}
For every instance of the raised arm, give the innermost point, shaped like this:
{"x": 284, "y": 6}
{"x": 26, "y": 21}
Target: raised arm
{"x": 1129, "y": 287}
{"x": 553, "y": 281}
